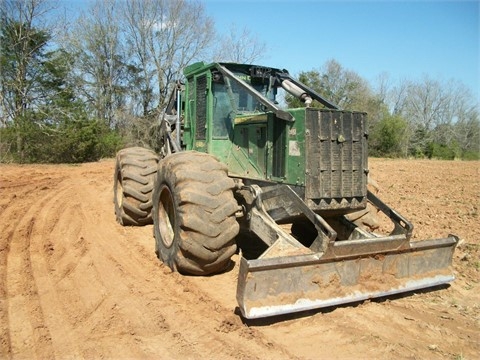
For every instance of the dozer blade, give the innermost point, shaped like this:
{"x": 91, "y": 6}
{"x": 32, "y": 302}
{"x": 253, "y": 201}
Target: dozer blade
{"x": 287, "y": 278}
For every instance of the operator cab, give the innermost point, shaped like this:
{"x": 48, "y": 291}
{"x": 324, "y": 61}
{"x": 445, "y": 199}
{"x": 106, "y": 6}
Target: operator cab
{"x": 231, "y": 100}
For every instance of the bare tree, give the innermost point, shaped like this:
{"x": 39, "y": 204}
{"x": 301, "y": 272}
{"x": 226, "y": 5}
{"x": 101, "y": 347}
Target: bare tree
{"x": 239, "y": 46}
{"x": 382, "y": 86}
{"x": 467, "y": 130}
{"x": 139, "y": 23}
{"x": 436, "y": 112}
{"x": 344, "y": 87}
{"x": 397, "y": 97}
{"x": 163, "y": 37}
{"x": 96, "y": 43}
{"x": 428, "y": 104}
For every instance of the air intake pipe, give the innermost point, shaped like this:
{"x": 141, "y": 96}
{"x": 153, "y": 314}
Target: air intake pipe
{"x": 296, "y": 91}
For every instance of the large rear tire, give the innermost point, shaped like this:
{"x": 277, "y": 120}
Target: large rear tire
{"x": 194, "y": 214}
{"x": 134, "y": 178}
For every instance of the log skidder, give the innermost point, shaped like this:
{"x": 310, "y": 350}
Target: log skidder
{"x": 234, "y": 162}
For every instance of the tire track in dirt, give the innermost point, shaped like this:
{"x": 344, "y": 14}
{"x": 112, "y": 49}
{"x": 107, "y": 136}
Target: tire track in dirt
{"x": 171, "y": 293}
{"x": 54, "y": 226}
{"x": 74, "y": 283}
{"x": 26, "y": 328}
{"x": 5, "y": 238}
{"x": 99, "y": 282}
{"x": 68, "y": 274}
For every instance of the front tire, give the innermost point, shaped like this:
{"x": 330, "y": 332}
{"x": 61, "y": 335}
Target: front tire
{"x": 194, "y": 214}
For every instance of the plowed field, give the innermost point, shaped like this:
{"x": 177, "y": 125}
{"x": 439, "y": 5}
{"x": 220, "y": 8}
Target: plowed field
{"x": 75, "y": 284}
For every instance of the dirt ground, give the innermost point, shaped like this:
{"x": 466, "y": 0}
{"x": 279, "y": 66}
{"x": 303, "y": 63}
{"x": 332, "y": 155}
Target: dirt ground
{"x": 75, "y": 284}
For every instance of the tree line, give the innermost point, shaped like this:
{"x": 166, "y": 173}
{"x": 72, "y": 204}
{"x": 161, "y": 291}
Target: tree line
{"x": 412, "y": 118}
{"x": 78, "y": 91}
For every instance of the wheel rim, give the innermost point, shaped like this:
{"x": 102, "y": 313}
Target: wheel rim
{"x": 166, "y": 216}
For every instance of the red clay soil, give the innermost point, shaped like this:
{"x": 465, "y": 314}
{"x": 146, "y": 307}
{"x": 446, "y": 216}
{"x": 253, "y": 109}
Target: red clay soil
{"x": 76, "y": 284}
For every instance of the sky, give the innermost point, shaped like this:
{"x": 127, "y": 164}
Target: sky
{"x": 405, "y": 39}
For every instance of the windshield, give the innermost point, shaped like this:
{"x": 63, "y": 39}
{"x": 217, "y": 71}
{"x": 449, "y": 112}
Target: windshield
{"x": 232, "y": 100}
{"x": 246, "y": 101}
